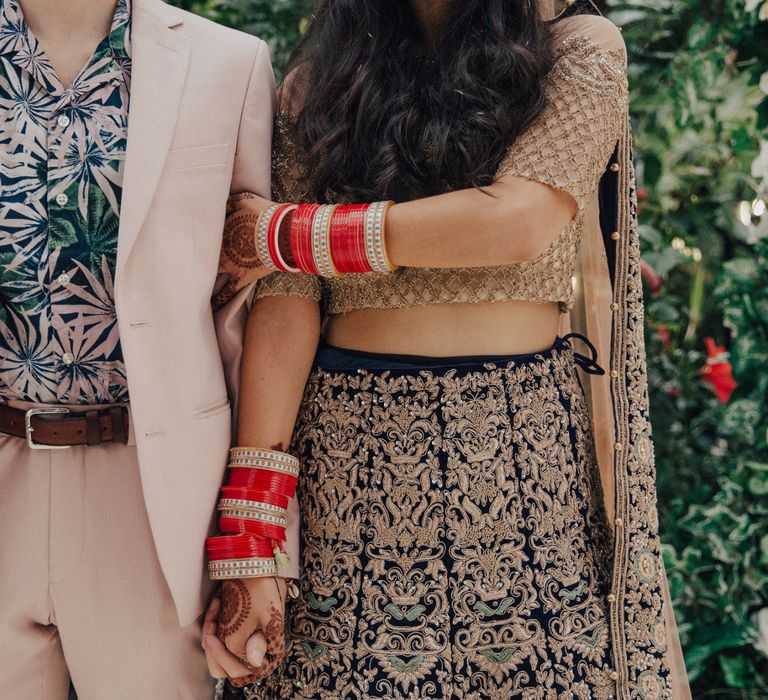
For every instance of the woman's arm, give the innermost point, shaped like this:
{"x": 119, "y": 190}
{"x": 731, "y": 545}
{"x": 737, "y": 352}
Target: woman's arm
{"x": 280, "y": 344}
{"x": 548, "y": 176}
{"x": 511, "y": 221}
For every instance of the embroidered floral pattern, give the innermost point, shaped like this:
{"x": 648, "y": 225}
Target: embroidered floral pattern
{"x": 62, "y": 152}
{"x": 587, "y": 85}
{"x": 640, "y": 645}
{"x": 638, "y": 626}
{"x": 454, "y": 543}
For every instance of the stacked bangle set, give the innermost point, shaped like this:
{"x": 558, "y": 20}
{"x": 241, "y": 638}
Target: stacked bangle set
{"x": 328, "y": 240}
{"x": 252, "y": 515}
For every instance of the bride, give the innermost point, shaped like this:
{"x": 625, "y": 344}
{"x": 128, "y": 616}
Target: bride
{"x": 476, "y": 498}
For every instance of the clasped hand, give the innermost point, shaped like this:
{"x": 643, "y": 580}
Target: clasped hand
{"x": 240, "y": 260}
{"x": 244, "y": 630}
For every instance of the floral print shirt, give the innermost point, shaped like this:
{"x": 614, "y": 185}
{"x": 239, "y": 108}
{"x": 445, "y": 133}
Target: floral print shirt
{"x": 62, "y": 153}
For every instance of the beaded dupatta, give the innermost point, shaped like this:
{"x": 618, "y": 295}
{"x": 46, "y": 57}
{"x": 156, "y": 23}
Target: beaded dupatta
{"x": 610, "y": 310}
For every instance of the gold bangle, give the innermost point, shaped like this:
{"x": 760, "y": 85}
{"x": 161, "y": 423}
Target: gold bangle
{"x": 321, "y": 241}
{"x": 375, "y": 246}
{"x": 262, "y": 236}
{"x": 241, "y": 568}
{"x": 255, "y": 506}
{"x": 256, "y": 516}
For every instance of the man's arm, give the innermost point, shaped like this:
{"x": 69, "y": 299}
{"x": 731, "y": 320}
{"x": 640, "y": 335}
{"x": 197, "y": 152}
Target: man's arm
{"x": 253, "y": 156}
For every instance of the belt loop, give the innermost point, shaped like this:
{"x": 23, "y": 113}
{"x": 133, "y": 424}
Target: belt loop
{"x": 93, "y": 428}
{"x": 118, "y": 415}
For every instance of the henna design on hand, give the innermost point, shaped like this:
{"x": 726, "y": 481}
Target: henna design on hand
{"x": 236, "y": 607}
{"x": 239, "y": 197}
{"x": 274, "y": 632}
{"x": 239, "y": 243}
{"x": 239, "y": 258}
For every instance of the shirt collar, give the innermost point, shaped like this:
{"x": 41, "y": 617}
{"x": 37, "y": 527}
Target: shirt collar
{"x": 16, "y": 38}
{"x": 120, "y": 31}
{"x": 13, "y": 30}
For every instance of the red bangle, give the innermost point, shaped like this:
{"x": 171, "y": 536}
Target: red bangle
{"x": 231, "y": 526}
{"x": 347, "y": 238}
{"x": 273, "y": 236}
{"x": 301, "y": 237}
{"x": 262, "y": 480}
{"x": 240, "y": 546}
{"x": 241, "y": 493}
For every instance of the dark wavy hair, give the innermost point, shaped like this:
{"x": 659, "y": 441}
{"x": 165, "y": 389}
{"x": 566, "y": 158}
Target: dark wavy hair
{"x": 380, "y": 117}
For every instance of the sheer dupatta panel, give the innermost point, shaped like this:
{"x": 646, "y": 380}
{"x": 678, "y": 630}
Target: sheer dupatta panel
{"x": 610, "y": 311}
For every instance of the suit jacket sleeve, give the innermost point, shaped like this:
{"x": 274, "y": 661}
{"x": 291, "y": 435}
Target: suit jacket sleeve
{"x": 252, "y": 174}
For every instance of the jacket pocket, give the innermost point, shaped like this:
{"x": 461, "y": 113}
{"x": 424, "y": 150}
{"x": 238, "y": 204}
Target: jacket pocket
{"x": 218, "y": 154}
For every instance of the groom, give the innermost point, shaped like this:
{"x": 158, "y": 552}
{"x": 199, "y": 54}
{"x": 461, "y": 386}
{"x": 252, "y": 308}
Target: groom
{"x": 124, "y": 126}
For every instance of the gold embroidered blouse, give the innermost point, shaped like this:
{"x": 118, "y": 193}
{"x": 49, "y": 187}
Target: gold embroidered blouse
{"x": 568, "y": 147}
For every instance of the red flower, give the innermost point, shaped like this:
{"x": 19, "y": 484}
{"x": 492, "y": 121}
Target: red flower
{"x": 662, "y": 333}
{"x": 650, "y": 276}
{"x": 642, "y": 196}
{"x": 718, "y": 371}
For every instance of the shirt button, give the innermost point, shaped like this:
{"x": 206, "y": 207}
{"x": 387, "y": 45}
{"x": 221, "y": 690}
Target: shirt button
{"x": 67, "y": 358}
{"x": 63, "y": 121}
{"x": 611, "y": 598}
{"x": 61, "y": 199}
{"x": 63, "y": 278}
{"x": 614, "y": 675}
{"x": 619, "y": 522}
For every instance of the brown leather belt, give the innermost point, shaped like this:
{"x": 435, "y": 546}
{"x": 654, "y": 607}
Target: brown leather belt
{"x": 52, "y": 428}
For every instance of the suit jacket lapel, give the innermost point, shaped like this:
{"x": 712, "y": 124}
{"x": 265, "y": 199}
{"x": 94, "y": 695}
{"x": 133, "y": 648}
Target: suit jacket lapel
{"x": 160, "y": 57}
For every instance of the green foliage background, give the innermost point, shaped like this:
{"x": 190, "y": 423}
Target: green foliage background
{"x": 700, "y": 118}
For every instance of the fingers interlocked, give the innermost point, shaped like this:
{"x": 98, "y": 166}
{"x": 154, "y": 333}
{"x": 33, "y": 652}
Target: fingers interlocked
{"x": 244, "y": 631}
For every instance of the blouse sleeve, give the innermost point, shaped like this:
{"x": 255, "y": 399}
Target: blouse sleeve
{"x": 569, "y": 145}
{"x": 286, "y": 187}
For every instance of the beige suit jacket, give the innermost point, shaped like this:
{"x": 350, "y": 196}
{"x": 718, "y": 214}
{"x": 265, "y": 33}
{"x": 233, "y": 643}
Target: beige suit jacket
{"x": 200, "y": 125}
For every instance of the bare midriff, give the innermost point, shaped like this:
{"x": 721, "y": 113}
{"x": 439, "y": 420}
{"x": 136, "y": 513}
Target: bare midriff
{"x": 449, "y": 330}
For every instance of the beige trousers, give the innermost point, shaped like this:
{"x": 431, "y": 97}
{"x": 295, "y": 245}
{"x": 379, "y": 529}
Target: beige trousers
{"x": 81, "y": 590}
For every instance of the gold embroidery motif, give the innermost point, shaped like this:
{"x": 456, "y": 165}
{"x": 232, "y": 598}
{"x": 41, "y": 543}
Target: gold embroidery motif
{"x": 453, "y": 539}
{"x": 587, "y": 86}
{"x": 637, "y": 632}
{"x": 637, "y": 623}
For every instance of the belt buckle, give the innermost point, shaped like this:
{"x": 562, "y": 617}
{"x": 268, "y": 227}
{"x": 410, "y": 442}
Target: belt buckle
{"x": 28, "y": 425}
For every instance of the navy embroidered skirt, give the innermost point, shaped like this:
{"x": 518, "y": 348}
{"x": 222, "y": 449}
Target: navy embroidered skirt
{"x": 454, "y": 543}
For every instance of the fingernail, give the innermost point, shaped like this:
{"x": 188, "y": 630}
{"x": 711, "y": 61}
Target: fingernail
{"x": 255, "y": 658}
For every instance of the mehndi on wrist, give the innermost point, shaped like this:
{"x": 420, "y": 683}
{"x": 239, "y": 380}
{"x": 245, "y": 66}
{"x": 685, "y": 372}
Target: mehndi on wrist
{"x": 252, "y": 515}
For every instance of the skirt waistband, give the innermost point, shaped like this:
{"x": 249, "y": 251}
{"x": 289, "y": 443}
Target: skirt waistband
{"x": 336, "y": 359}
